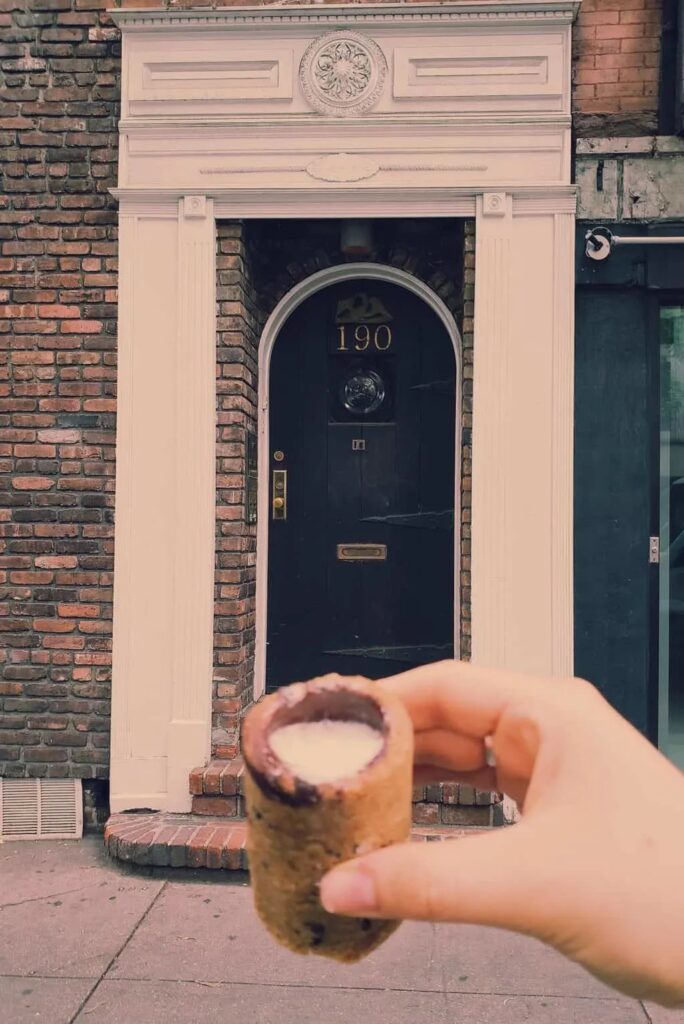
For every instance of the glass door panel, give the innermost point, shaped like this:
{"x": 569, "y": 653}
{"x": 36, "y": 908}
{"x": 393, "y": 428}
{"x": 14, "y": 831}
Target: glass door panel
{"x": 671, "y": 575}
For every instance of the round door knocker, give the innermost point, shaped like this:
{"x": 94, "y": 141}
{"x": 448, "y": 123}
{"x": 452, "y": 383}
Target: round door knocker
{"x": 363, "y": 392}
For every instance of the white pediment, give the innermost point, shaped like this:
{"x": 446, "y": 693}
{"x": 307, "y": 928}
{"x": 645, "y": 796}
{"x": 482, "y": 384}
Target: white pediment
{"x": 379, "y": 96}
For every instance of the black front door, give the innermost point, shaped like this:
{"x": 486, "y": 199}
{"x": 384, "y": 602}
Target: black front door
{"x": 361, "y": 465}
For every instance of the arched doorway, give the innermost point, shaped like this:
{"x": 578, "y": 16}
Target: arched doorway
{"x": 361, "y": 457}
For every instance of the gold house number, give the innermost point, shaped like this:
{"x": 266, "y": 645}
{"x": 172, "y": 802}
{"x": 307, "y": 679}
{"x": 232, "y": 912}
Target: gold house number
{"x": 379, "y": 337}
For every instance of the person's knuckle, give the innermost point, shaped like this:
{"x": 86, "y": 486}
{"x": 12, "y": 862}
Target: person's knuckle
{"x": 585, "y": 690}
{"x": 431, "y": 899}
{"x": 571, "y": 688}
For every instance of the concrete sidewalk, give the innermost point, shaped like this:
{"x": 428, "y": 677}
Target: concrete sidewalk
{"x": 84, "y": 942}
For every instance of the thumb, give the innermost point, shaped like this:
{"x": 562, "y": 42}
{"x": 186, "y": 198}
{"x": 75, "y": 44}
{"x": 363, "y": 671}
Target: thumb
{"x": 504, "y": 879}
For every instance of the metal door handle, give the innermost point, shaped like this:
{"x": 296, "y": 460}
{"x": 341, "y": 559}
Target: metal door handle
{"x": 279, "y": 504}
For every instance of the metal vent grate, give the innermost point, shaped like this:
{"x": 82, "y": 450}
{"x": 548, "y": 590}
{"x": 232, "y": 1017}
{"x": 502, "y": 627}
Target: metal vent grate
{"x": 41, "y": 809}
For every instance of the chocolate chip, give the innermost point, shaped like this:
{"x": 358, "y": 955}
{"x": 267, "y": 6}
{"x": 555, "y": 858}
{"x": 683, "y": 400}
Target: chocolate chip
{"x": 317, "y": 932}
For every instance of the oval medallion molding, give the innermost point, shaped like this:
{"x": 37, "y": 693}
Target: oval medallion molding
{"x": 342, "y": 167}
{"x": 343, "y": 74}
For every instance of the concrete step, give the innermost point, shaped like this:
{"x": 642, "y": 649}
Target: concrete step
{"x": 217, "y": 790}
{"x": 165, "y": 839}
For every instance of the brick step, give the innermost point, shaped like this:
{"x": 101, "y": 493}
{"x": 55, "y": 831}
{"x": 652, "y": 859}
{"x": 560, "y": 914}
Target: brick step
{"x": 217, "y": 790}
{"x": 219, "y": 778}
{"x": 225, "y": 744}
{"x": 166, "y": 839}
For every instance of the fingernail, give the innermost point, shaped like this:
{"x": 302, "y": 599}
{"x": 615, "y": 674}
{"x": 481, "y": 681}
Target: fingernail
{"x": 490, "y": 756}
{"x": 347, "y": 891}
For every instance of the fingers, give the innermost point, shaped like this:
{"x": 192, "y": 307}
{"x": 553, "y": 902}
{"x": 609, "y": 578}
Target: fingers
{"x": 462, "y": 697}
{"x": 450, "y": 749}
{"x": 501, "y": 879}
{"x": 484, "y": 779}
{"x": 457, "y": 710}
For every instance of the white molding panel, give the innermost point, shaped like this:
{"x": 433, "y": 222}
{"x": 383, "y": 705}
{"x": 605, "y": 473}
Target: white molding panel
{"x": 206, "y": 76}
{"x": 522, "y": 441}
{"x": 485, "y": 74}
{"x": 480, "y": 69}
{"x": 372, "y": 156}
{"x": 165, "y": 506}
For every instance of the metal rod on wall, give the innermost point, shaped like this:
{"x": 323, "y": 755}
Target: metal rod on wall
{"x": 601, "y": 242}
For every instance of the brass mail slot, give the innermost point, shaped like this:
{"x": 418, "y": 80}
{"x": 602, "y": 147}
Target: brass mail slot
{"x": 361, "y": 552}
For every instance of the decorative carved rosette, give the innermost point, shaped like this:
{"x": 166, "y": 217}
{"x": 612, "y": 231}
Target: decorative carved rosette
{"x": 343, "y": 74}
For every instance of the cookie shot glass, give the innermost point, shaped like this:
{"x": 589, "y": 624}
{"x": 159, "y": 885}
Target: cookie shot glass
{"x": 329, "y": 777}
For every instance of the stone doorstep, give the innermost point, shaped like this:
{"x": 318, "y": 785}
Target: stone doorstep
{"x": 165, "y": 839}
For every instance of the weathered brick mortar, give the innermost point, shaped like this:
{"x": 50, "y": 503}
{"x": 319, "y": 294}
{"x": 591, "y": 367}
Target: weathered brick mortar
{"x": 59, "y": 88}
{"x": 238, "y": 328}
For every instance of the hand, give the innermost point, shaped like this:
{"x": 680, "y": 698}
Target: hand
{"x": 595, "y": 867}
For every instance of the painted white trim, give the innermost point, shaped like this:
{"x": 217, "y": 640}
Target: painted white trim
{"x": 562, "y": 434}
{"x": 521, "y": 594}
{"x": 287, "y": 305}
{"x": 204, "y": 124}
{"x": 563, "y": 11}
{"x": 287, "y": 203}
{"x": 165, "y": 507}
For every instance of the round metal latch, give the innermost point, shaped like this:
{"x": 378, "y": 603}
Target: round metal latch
{"x": 599, "y": 243}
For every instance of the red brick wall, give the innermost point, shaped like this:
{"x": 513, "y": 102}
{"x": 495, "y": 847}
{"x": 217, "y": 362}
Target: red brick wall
{"x": 616, "y": 67}
{"x": 238, "y": 328}
{"x": 59, "y": 66}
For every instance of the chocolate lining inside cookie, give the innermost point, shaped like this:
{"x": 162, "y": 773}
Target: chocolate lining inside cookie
{"x": 330, "y": 699}
{"x": 335, "y": 704}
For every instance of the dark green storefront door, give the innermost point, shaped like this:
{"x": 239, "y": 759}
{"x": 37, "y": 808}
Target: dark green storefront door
{"x": 362, "y": 464}
{"x": 629, "y": 483}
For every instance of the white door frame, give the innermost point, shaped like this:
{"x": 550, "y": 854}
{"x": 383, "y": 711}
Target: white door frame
{"x": 217, "y": 123}
{"x": 276, "y": 321}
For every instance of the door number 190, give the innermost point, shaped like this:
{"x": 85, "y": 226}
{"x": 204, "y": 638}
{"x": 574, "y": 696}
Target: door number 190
{"x": 379, "y": 337}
